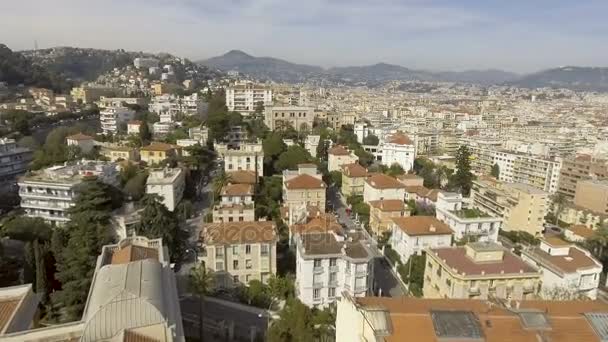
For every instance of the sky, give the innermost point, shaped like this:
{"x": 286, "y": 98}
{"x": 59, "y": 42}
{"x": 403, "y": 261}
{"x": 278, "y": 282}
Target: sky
{"x": 515, "y": 35}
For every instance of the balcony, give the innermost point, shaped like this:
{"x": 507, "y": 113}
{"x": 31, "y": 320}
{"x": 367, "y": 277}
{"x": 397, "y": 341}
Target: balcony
{"x": 334, "y": 268}
{"x": 317, "y": 284}
{"x": 359, "y": 273}
{"x": 528, "y": 288}
{"x": 317, "y": 270}
{"x": 475, "y": 291}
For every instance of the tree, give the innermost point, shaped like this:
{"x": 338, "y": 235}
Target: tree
{"x": 322, "y": 148}
{"x": 412, "y": 273}
{"x": 371, "y": 139}
{"x": 273, "y": 145}
{"x": 219, "y": 182}
{"x": 463, "y": 178}
{"x": 28, "y": 142}
{"x": 495, "y": 171}
{"x": 135, "y": 187}
{"x": 184, "y": 210}
{"x": 292, "y": 157}
{"x": 295, "y": 324}
{"x": 201, "y": 282}
{"x": 86, "y": 233}
{"x": 395, "y": 170}
{"x": 280, "y": 287}
{"x": 336, "y": 178}
{"x": 559, "y": 201}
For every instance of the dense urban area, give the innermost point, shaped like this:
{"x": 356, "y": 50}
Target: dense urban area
{"x": 147, "y": 197}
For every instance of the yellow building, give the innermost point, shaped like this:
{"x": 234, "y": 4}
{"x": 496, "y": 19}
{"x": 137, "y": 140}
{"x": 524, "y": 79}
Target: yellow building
{"x": 479, "y": 270}
{"x": 382, "y": 212}
{"x": 353, "y": 179}
{"x": 592, "y": 195}
{"x": 157, "y": 152}
{"x": 115, "y": 152}
{"x": 159, "y": 88}
{"x": 87, "y": 94}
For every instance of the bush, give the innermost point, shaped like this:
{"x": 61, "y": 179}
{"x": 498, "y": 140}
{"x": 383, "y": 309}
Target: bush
{"x": 392, "y": 255}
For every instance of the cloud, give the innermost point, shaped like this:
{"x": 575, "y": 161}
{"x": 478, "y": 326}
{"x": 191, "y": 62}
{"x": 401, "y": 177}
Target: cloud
{"x": 433, "y": 34}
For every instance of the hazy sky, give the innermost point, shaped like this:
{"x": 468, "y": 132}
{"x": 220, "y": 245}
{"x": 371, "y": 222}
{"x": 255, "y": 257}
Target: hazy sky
{"x": 518, "y": 35}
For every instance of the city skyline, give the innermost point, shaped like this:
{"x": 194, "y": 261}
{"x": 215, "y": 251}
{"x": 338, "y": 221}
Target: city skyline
{"x": 433, "y": 35}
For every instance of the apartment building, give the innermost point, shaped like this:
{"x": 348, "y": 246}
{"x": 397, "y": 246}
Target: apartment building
{"x": 134, "y": 126}
{"x": 169, "y": 184}
{"x": 479, "y": 270}
{"x": 338, "y": 156}
{"x": 119, "y": 152}
{"x": 412, "y": 235}
{"x": 540, "y": 173}
{"x": 331, "y": 263}
{"x": 245, "y": 156}
{"x": 311, "y": 143}
{"x": 90, "y": 93}
{"x": 236, "y": 204}
{"x": 133, "y": 279}
{"x": 145, "y": 63}
{"x": 200, "y": 134}
{"x": 568, "y": 271}
{"x": 521, "y": 207}
{"x": 14, "y": 160}
{"x": 379, "y": 186}
{"x": 244, "y": 98}
{"x": 51, "y": 192}
{"x": 592, "y": 195}
{"x": 580, "y": 168}
{"x": 85, "y": 143}
{"x": 381, "y": 214}
{"x": 115, "y": 102}
{"x": 482, "y": 153}
{"x": 467, "y": 223}
{"x": 280, "y": 118}
{"x": 399, "y": 149}
{"x": 173, "y": 105}
{"x": 112, "y": 118}
{"x": 430, "y": 320}
{"x": 157, "y": 152}
{"x": 239, "y": 252}
{"x": 303, "y": 188}
{"x": 353, "y": 179}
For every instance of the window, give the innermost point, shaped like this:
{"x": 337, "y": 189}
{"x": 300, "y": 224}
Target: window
{"x": 430, "y": 266}
{"x": 230, "y": 219}
{"x": 316, "y": 294}
{"x": 235, "y": 264}
{"x": 219, "y": 266}
{"x": 235, "y": 250}
{"x": 333, "y": 277}
{"x": 248, "y": 264}
{"x": 331, "y": 292}
{"x": 264, "y": 249}
{"x": 219, "y": 252}
{"x": 332, "y": 262}
{"x": 247, "y": 249}
{"x": 235, "y": 279}
{"x": 317, "y": 263}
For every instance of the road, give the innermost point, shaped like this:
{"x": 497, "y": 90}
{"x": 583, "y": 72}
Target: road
{"x": 224, "y": 320}
{"x": 385, "y": 280}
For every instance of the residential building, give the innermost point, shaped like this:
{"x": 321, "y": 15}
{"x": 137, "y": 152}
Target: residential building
{"x": 116, "y": 102}
{"x": 311, "y": 143}
{"x": 592, "y": 195}
{"x": 242, "y": 177}
{"x": 410, "y": 180}
{"x": 173, "y": 105}
{"x": 112, "y": 118}
{"x": 303, "y": 188}
{"x": 479, "y": 270}
{"x": 169, "y": 184}
{"x": 19, "y": 308}
{"x": 467, "y": 223}
{"x": 145, "y": 63}
{"x": 580, "y": 168}
{"x": 119, "y": 152}
{"x": 51, "y": 192}
{"x": 522, "y": 207}
{"x": 158, "y": 152}
{"x": 244, "y": 98}
{"x": 411, "y": 235}
{"x": 87, "y": 94}
{"x": 576, "y": 215}
{"x": 239, "y": 252}
{"x": 578, "y": 233}
{"x": 353, "y": 179}
{"x": 398, "y": 149}
{"x": 14, "y": 160}
{"x": 245, "y": 156}
{"x": 279, "y": 118}
{"x": 568, "y": 271}
{"x": 379, "y": 186}
{"x": 423, "y": 196}
{"x": 200, "y": 134}
{"x": 527, "y": 169}
{"x": 236, "y": 204}
{"x": 134, "y": 126}
{"x": 125, "y": 219}
{"x": 86, "y": 143}
{"x": 161, "y": 129}
{"x": 331, "y": 263}
{"x": 406, "y": 319}
{"x": 159, "y": 88}
{"x": 382, "y": 212}
{"x": 338, "y": 156}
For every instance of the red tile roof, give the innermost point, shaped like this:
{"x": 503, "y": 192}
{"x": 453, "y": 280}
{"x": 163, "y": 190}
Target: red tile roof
{"x": 338, "y": 150}
{"x": 304, "y": 181}
{"x": 400, "y": 139}
{"x": 382, "y": 181}
{"x": 239, "y": 232}
{"x": 354, "y": 170}
{"x": 422, "y": 225}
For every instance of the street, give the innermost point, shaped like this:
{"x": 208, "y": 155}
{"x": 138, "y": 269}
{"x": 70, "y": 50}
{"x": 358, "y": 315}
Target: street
{"x": 385, "y": 281}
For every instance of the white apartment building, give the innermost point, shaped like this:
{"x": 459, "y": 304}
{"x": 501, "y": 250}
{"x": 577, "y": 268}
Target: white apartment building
{"x": 13, "y": 159}
{"x": 167, "y": 183}
{"x": 86, "y": 143}
{"x": 412, "y": 234}
{"x": 112, "y": 117}
{"x": 142, "y": 62}
{"x": 162, "y": 128}
{"x": 533, "y": 170}
{"x": 330, "y": 264}
{"x": 338, "y": 156}
{"x": 239, "y": 252}
{"x": 49, "y": 193}
{"x": 172, "y": 105}
{"x": 466, "y": 222}
{"x": 568, "y": 271}
{"x": 236, "y": 204}
{"x": 134, "y": 126}
{"x": 109, "y": 102}
{"x": 311, "y": 143}
{"x": 299, "y": 118}
{"x": 399, "y": 149}
{"x": 379, "y": 186}
{"x": 245, "y": 156}
{"x": 243, "y": 98}
{"x": 201, "y": 134}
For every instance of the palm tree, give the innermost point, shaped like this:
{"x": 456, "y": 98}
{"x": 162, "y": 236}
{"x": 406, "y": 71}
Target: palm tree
{"x": 220, "y": 182}
{"x": 201, "y": 282}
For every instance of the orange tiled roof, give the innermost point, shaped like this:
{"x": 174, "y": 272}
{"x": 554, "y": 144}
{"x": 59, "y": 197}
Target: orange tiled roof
{"x": 133, "y": 253}
{"x": 304, "y": 181}
{"x": 241, "y": 177}
{"x": 354, "y": 170}
{"x": 338, "y": 150}
{"x": 239, "y": 232}
{"x": 158, "y": 146}
{"x": 422, "y": 225}
{"x": 582, "y": 231}
{"x": 237, "y": 190}
{"x": 400, "y": 139}
{"x": 382, "y": 181}
{"x": 7, "y": 307}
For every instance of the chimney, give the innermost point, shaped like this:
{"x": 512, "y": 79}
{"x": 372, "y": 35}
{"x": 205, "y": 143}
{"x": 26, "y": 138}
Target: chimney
{"x": 432, "y": 228}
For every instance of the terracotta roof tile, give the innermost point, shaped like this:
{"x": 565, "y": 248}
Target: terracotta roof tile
{"x": 7, "y": 307}
{"x": 422, "y": 225}
{"x": 237, "y": 190}
{"x": 400, "y": 139}
{"x": 241, "y": 177}
{"x": 354, "y": 170}
{"x": 575, "y": 260}
{"x": 158, "y": 146}
{"x": 239, "y": 232}
{"x": 382, "y": 181}
{"x": 327, "y": 244}
{"x": 338, "y": 150}
{"x": 304, "y": 181}
{"x": 133, "y": 253}
{"x": 388, "y": 205}
{"x": 319, "y": 224}
{"x": 582, "y": 231}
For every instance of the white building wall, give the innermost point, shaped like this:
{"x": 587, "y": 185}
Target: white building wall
{"x": 407, "y": 246}
{"x": 372, "y": 194}
{"x": 403, "y": 155}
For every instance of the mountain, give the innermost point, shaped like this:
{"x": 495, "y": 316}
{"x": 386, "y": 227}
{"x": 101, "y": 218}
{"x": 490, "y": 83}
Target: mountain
{"x": 484, "y": 77}
{"x": 16, "y": 69}
{"x": 263, "y": 67}
{"x": 378, "y": 73}
{"x": 570, "y": 77}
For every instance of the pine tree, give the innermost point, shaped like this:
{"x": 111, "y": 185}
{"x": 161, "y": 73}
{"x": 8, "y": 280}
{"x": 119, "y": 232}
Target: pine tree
{"x": 463, "y": 178}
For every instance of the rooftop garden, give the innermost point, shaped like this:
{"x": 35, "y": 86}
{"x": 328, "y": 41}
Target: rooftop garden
{"x": 470, "y": 213}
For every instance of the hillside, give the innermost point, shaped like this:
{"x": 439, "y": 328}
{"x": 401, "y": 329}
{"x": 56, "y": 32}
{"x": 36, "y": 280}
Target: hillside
{"x": 571, "y": 77}
{"x": 17, "y": 69}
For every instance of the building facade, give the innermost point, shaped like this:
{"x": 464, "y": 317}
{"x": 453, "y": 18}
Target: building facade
{"x": 167, "y": 183}
{"x": 338, "y": 156}
{"x": 245, "y": 157}
{"x": 412, "y": 235}
{"x": 244, "y": 98}
{"x": 466, "y": 223}
{"x": 236, "y": 204}
{"x": 280, "y": 118}
{"x": 14, "y": 160}
{"x": 380, "y": 187}
{"x": 353, "y": 179}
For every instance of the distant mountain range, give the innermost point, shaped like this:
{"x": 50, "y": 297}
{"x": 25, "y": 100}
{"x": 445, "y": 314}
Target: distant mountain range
{"x": 267, "y": 68}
